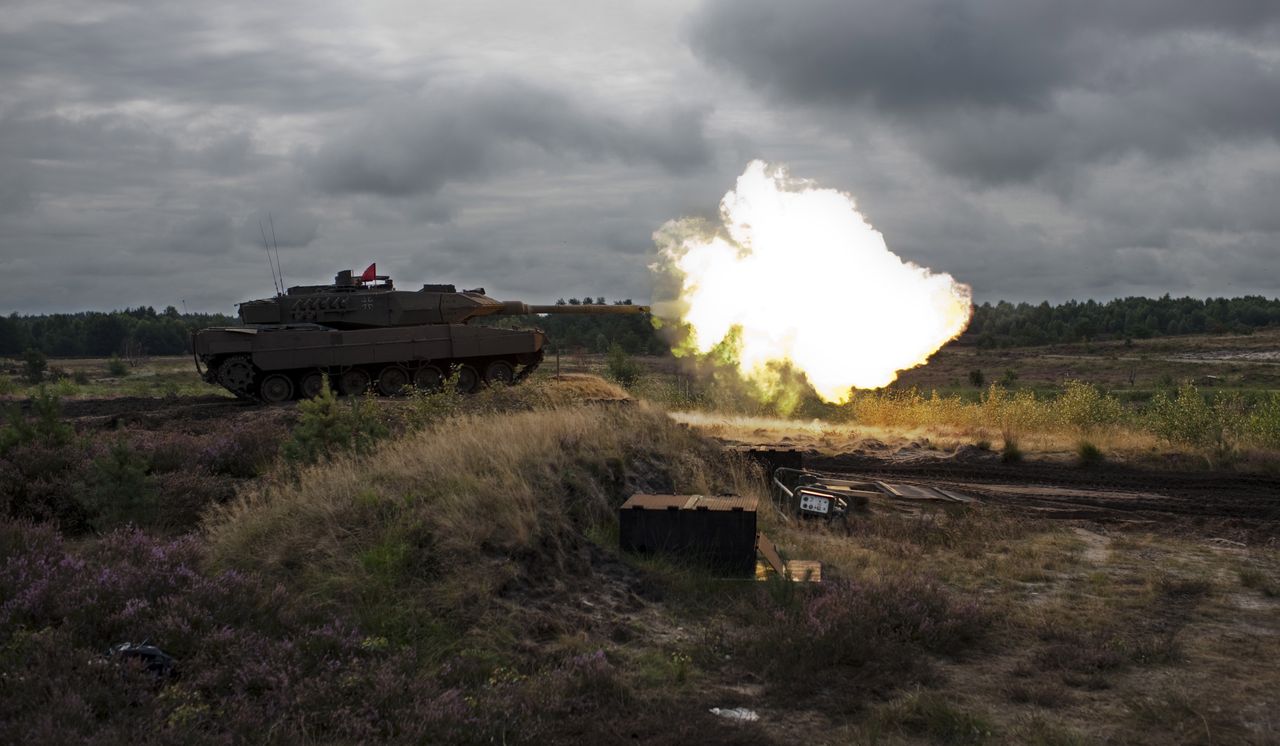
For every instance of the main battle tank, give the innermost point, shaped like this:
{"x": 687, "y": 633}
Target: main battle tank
{"x": 363, "y": 332}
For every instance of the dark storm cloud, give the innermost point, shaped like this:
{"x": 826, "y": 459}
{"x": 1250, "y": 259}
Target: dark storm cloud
{"x": 167, "y": 50}
{"x": 1036, "y": 149}
{"x": 1001, "y": 90}
{"x": 461, "y": 133}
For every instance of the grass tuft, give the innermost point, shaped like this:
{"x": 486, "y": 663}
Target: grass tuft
{"x": 929, "y": 715}
{"x": 1089, "y": 454}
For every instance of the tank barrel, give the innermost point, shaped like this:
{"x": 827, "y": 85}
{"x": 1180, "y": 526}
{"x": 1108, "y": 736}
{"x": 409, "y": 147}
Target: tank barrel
{"x": 589, "y": 308}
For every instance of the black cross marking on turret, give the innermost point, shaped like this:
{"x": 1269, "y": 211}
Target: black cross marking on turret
{"x": 367, "y": 304}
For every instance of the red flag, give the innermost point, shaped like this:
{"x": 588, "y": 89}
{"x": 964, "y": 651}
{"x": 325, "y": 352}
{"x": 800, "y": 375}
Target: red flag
{"x": 370, "y": 274}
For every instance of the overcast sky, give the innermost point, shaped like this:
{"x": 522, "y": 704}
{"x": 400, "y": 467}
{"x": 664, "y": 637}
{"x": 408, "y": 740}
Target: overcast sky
{"x": 1035, "y": 149}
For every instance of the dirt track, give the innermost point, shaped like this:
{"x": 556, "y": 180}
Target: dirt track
{"x": 191, "y": 413}
{"x": 1222, "y": 501}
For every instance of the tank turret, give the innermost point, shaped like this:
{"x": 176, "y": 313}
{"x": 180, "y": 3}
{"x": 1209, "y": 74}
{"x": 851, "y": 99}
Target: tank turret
{"x": 361, "y": 331}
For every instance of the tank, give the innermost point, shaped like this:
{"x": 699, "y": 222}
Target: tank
{"x": 364, "y": 334}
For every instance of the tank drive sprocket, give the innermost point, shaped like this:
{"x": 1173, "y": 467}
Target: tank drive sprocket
{"x": 236, "y": 374}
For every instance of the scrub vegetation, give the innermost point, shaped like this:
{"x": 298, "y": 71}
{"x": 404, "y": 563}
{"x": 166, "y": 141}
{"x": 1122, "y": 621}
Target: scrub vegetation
{"x": 441, "y": 568}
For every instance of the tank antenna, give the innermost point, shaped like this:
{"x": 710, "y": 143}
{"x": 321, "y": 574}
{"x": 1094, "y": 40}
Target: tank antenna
{"x": 277, "y": 244}
{"x": 267, "y": 246}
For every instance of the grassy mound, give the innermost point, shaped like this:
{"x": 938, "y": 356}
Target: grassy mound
{"x": 421, "y": 534}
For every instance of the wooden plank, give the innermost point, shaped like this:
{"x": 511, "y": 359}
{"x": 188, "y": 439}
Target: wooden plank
{"x": 770, "y": 553}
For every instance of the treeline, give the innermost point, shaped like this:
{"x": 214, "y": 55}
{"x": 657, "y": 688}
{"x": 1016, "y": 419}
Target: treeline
{"x": 1023, "y": 325}
{"x": 133, "y": 331}
{"x": 143, "y": 330}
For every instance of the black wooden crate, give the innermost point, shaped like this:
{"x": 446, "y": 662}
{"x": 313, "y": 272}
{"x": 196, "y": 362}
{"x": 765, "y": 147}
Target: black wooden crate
{"x": 719, "y": 532}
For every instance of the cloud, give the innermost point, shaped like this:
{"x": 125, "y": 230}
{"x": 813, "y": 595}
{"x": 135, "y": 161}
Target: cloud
{"x": 206, "y": 234}
{"x": 290, "y": 228}
{"x": 1035, "y": 149}
{"x": 1007, "y": 90}
{"x": 457, "y": 133}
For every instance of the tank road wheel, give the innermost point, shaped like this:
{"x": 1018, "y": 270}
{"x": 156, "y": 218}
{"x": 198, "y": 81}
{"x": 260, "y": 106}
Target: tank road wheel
{"x": 311, "y": 384}
{"x": 236, "y": 375}
{"x": 428, "y": 378}
{"x": 354, "y": 382}
{"x": 468, "y": 379}
{"x": 500, "y": 372}
{"x": 392, "y": 380}
{"x": 276, "y": 388}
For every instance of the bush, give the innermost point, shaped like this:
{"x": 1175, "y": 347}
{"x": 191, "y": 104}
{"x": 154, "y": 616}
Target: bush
{"x": 327, "y": 426}
{"x": 117, "y": 367}
{"x": 438, "y": 404}
{"x": 34, "y": 364}
{"x": 1088, "y": 453}
{"x": 46, "y": 427}
{"x": 976, "y": 378}
{"x": 620, "y": 367}
{"x": 1188, "y": 419}
{"x": 1264, "y": 423}
{"x": 45, "y": 483}
{"x": 120, "y": 490}
{"x": 1010, "y": 453}
{"x": 1086, "y": 409}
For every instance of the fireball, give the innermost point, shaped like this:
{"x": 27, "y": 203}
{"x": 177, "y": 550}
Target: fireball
{"x": 795, "y": 277}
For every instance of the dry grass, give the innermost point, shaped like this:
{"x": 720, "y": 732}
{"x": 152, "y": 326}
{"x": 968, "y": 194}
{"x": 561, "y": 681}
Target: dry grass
{"x": 1120, "y": 637}
{"x": 442, "y": 519}
{"x": 839, "y": 437}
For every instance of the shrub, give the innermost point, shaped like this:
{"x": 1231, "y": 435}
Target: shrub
{"x": 34, "y": 364}
{"x": 120, "y": 490}
{"x": 1086, "y": 409}
{"x": 976, "y": 378}
{"x": 117, "y": 367}
{"x": 45, "y": 483}
{"x": 327, "y": 426}
{"x": 620, "y": 367}
{"x": 1188, "y": 419}
{"x": 434, "y": 405}
{"x": 1264, "y": 423}
{"x": 1010, "y": 453}
{"x": 1184, "y": 419}
{"x": 1088, "y": 453}
{"x": 45, "y": 427}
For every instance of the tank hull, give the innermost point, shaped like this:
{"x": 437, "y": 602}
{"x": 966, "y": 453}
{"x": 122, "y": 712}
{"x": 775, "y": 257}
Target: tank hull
{"x": 251, "y": 360}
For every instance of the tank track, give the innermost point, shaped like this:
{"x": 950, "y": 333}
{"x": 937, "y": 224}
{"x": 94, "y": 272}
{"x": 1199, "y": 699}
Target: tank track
{"x": 238, "y": 374}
